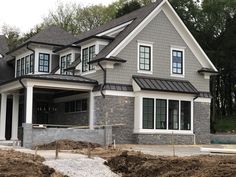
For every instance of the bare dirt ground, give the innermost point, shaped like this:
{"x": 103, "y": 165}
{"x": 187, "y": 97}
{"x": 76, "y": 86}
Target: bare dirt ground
{"x": 131, "y": 164}
{"x": 67, "y": 145}
{"x": 17, "y": 164}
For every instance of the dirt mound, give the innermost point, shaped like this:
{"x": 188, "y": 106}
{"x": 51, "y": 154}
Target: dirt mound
{"x": 140, "y": 165}
{"x": 17, "y": 164}
{"x": 67, "y": 145}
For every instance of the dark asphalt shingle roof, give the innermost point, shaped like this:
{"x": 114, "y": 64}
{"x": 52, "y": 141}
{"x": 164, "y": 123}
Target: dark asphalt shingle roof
{"x": 60, "y": 77}
{"x": 55, "y": 77}
{"x": 52, "y": 35}
{"x": 165, "y": 85}
{"x": 6, "y": 71}
{"x": 137, "y": 16}
{"x": 114, "y": 86}
{"x": 3, "y": 45}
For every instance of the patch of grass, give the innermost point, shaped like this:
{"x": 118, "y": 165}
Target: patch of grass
{"x": 225, "y": 124}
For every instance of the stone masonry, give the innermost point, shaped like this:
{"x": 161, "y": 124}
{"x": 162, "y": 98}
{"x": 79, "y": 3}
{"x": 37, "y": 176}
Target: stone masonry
{"x": 201, "y": 122}
{"x": 116, "y": 110}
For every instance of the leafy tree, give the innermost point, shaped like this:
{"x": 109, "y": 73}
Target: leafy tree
{"x": 12, "y": 34}
{"x": 128, "y": 7}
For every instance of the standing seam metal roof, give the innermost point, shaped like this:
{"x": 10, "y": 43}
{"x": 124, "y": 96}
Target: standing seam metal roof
{"x": 167, "y": 85}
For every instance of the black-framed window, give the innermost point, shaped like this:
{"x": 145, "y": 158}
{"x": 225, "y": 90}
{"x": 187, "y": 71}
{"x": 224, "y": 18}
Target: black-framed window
{"x": 18, "y": 71}
{"x": 27, "y": 64}
{"x": 65, "y": 62}
{"x": 148, "y": 113}
{"x": 31, "y": 63}
{"x": 185, "y": 115}
{"x": 177, "y": 62}
{"x": 161, "y": 113}
{"x": 144, "y": 58}
{"x": 87, "y": 55}
{"x": 76, "y": 106}
{"x": 166, "y": 112}
{"x": 44, "y": 60}
{"x": 22, "y": 60}
{"x": 173, "y": 114}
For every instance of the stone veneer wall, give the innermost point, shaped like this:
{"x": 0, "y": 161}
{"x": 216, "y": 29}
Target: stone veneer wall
{"x": 120, "y": 110}
{"x": 201, "y": 122}
{"x": 116, "y": 110}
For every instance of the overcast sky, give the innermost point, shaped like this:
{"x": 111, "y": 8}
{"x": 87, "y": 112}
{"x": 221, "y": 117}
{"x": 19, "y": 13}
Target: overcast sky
{"x": 25, "y": 14}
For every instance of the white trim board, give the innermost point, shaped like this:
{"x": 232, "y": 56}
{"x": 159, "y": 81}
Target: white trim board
{"x": 138, "y": 29}
{"x": 187, "y": 36}
{"x": 179, "y": 26}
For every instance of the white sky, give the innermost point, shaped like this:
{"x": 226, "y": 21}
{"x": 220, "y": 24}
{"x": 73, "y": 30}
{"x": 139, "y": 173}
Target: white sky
{"x": 25, "y": 14}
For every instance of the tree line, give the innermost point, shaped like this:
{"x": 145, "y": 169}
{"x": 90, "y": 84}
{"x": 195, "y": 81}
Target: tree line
{"x": 212, "y": 23}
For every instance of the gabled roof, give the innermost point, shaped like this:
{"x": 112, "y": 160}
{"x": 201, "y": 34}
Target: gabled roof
{"x": 52, "y": 35}
{"x": 164, "y": 85}
{"x": 6, "y": 72}
{"x": 3, "y": 45}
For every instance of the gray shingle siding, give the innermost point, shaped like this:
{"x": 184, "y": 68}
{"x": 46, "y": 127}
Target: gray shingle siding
{"x": 162, "y": 33}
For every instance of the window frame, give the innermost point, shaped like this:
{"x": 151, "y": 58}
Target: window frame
{"x": 88, "y": 67}
{"x": 140, "y": 129}
{"x": 65, "y": 57}
{"x": 181, "y": 49}
{"x": 75, "y": 102}
{"x": 43, "y": 62}
{"x": 145, "y": 44}
{"x": 18, "y": 67}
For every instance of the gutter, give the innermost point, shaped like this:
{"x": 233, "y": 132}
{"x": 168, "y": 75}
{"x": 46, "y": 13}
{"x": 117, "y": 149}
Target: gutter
{"x": 104, "y": 79}
{"x": 33, "y": 54}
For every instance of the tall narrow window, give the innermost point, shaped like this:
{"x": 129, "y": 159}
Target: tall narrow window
{"x": 85, "y": 57}
{"x": 91, "y": 56}
{"x": 27, "y": 64}
{"x": 144, "y": 58}
{"x": 65, "y": 62}
{"x": 177, "y": 62}
{"x": 43, "y": 62}
{"x": 18, "y": 71}
{"x": 173, "y": 115}
{"x": 148, "y": 113}
{"x": 161, "y": 114}
{"x": 22, "y": 66}
{"x": 31, "y": 63}
{"x": 185, "y": 115}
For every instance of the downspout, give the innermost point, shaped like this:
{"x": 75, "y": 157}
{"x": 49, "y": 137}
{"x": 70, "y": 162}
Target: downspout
{"x": 104, "y": 79}
{"x": 33, "y": 55}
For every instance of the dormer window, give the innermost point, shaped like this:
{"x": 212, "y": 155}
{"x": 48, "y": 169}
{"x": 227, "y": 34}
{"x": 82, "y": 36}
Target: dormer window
{"x": 25, "y": 65}
{"x": 65, "y": 62}
{"x": 44, "y": 62}
{"x": 87, "y": 55}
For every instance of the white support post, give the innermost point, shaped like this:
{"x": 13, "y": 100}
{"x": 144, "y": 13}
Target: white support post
{"x": 3, "y": 116}
{"x": 29, "y": 104}
{"x": 15, "y": 114}
{"x": 91, "y": 110}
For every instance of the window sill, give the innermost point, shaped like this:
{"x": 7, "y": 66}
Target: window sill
{"x": 144, "y": 72}
{"x": 177, "y": 75}
{"x": 151, "y": 131}
{"x": 88, "y": 72}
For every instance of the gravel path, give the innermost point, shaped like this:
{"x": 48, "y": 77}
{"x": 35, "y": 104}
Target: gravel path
{"x": 81, "y": 166}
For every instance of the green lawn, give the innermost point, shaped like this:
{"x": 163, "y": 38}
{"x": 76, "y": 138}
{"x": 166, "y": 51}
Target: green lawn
{"x": 225, "y": 124}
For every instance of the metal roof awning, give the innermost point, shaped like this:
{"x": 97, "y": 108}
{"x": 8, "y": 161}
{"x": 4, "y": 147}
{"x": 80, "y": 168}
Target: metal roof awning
{"x": 165, "y": 85}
